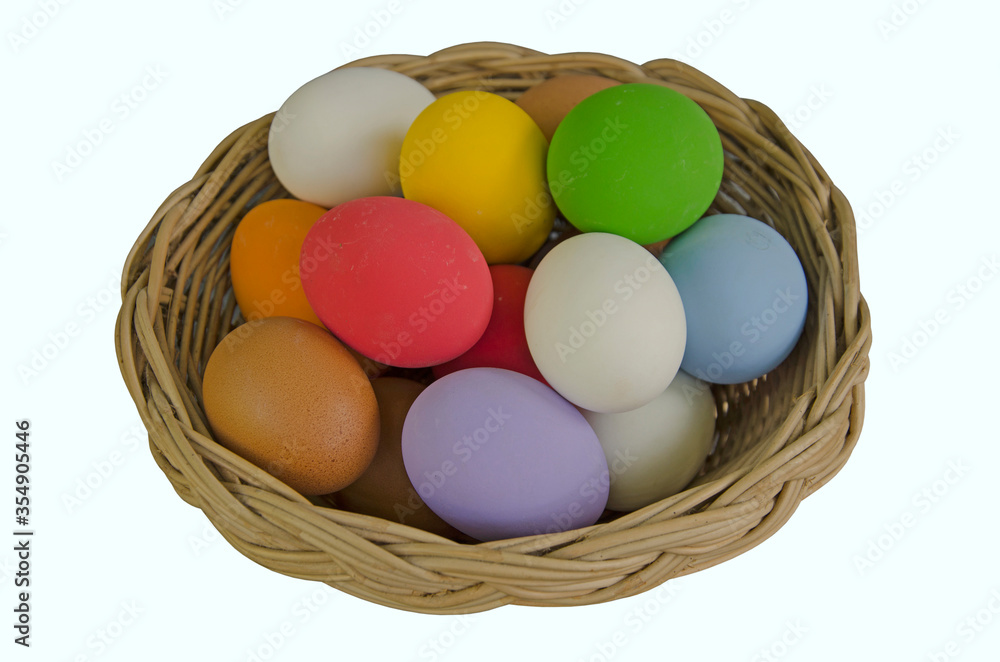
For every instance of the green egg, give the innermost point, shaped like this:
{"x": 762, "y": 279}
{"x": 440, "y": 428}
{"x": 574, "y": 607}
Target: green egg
{"x": 637, "y": 160}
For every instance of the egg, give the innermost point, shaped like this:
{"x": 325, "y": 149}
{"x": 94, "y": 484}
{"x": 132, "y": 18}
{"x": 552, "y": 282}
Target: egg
{"x": 497, "y": 454}
{"x": 638, "y": 160}
{"x": 604, "y": 322}
{"x": 264, "y": 265}
{"x": 502, "y": 344}
{"x": 656, "y": 249}
{"x": 338, "y": 137}
{"x": 745, "y": 295}
{"x": 549, "y": 101}
{"x": 480, "y": 159}
{"x": 384, "y": 490}
{"x": 396, "y": 280}
{"x": 287, "y": 396}
{"x": 654, "y": 451}
{"x": 264, "y": 259}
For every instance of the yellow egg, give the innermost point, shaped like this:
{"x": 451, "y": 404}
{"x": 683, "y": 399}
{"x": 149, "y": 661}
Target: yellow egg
{"x": 480, "y": 159}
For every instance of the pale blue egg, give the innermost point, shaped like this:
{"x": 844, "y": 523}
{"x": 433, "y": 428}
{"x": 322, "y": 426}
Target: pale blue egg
{"x": 744, "y": 294}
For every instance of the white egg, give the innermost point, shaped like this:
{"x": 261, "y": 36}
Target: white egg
{"x": 654, "y": 451}
{"x": 338, "y": 137}
{"x": 604, "y": 322}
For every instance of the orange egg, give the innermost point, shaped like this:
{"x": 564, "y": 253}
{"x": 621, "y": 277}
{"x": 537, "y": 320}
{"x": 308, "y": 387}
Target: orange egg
{"x": 288, "y": 396}
{"x": 384, "y": 490}
{"x": 264, "y": 260}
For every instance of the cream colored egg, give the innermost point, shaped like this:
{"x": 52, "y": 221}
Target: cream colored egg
{"x": 654, "y": 451}
{"x": 604, "y": 322}
{"x": 338, "y": 137}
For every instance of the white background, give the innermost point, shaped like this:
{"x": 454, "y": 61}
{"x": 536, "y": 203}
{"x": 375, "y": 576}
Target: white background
{"x": 832, "y": 584}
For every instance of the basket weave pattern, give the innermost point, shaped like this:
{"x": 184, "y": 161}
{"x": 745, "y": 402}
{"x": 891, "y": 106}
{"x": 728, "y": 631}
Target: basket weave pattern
{"x": 780, "y": 438}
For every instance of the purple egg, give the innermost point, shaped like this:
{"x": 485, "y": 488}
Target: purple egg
{"x": 497, "y": 454}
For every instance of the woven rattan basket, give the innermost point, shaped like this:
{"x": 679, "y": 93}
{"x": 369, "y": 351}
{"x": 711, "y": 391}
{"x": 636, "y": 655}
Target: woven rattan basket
{"x": 780, "y": 438}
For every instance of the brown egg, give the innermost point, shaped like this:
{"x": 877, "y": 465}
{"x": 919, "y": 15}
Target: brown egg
{"x": 548, "y": 102}
{"x": 657, "y": 248}
{"x": 288, "y": 396}
{"x": 385, "y": 490}
{"x": 372, "y": 369}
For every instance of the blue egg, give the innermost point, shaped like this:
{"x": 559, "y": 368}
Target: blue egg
{"x": 744, "y": 294}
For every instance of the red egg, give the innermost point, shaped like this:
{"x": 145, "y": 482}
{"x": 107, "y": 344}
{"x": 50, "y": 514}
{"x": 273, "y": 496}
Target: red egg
{"x": 503, "y": 344}
{"x": 396, "y": 280}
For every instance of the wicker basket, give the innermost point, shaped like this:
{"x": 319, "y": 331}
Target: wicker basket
{"x": 780, "y": 438}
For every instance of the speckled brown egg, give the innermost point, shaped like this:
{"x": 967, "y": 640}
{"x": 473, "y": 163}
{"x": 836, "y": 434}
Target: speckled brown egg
{"x": 548, "y": 102}
{"x": 289, "y": 397}
{"x": 384, "y": 490}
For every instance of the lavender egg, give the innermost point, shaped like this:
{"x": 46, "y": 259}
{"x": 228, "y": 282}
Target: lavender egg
{"x": 498, "y": 455}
